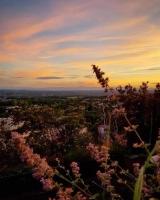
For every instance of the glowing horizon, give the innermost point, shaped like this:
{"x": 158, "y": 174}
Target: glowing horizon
{"x": 52, "y": 44}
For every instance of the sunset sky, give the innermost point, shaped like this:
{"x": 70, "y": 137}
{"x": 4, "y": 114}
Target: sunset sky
{"x": 48, "y": 44}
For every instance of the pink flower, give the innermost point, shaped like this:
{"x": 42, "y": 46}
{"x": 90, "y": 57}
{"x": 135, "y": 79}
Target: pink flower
{"x": 105, "y": 178}
{"x": 80, "y": 196}
{"x": 120, "y": 139}
{"x": 136, "y": 168}
{"x": 100, "y": 154}
{"x": 64, "y": 194}
{"x": 131, "y": 128}
{"x": 39, "y": 165}
{"x": 75, "y": 169}
{"x": 117, "y": 112}
{"x": 156, "y": 159}
{"x": 138, "y": 145}
{"x": 48, "y": 184}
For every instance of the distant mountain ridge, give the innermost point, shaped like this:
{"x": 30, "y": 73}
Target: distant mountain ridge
{"x": 43, "y": 93}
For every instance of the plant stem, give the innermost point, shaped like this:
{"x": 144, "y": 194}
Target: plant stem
{"x": 136, "y": 132}
{"x": 72, "y": 183}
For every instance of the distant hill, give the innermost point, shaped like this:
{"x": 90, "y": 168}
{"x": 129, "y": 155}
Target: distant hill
{"x": 42, "y": 93}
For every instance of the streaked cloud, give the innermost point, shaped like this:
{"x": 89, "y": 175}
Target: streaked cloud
{"x": 154, "y": 69}
{"x": 57, "y": 77}
{"x": 88, "y": 76}
{"x": 49, "y": 77}
{"x": 57, "y": 42}
{"x": 19, "y": 77}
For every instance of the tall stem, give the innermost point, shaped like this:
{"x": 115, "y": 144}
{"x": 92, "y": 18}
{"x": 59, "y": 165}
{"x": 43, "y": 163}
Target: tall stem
{"x": 136, "y": 132}
{"x": 72, "y": 183}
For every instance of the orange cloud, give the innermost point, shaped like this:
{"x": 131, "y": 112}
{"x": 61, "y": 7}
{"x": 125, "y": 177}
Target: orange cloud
{"x": 125, "y": 45}
{"x": 54, "y": 21}
{"x": 6, "y": 57}
{"x": 34, "y": 70}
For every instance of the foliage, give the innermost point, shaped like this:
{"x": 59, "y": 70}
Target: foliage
{"x": 89, "y": 148}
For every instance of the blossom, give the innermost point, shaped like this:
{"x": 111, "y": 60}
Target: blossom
{"x": 156, "y": 159}
{"x": 158, "y": 175}
{"x": 65, "y": 194}
{"x": 41, "y": 170}
{"x": 104, "y": 177}
{"x": 146, "y": 189}
{"x": 117, "y": 112}
{"x": 99, "y": 75}
{"x": 47, "y": 184}
{"x": 136, "y": 168}
{"x": 100, "y": 154}
{"x": 52, "y": 134}
{"x": 114, "y": 163}
{"x": 131, "y": 128}
{"x": 138, "y": 145}
{"x": 157, "y": 147}
{"x": 80, "y": 196}
{"x": 75, "y": 169}
{"x": 120, "y": 139}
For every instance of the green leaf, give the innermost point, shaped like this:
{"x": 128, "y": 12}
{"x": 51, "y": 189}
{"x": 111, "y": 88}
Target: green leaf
{"x": 139, "y": 185}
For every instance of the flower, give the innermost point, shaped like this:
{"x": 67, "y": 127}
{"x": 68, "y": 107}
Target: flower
{"x": 120, "y": 139}
{"x": 48, "y": 184}
{"x": 64, "y": 194}
{"x": 136, "y": 168}
{"x": 138, "y": 145}
{"x": 114, "y": 163}
{"x": 80, "y": 196}
{"x": 100, "y": 154}
{"x": 157, "y": 147}
{"x": 105, "y": 179}
{"x": 131, "y": 128}
{"x": 41, "y": 170}
{"x": 75, "y": 169}
{"x": 158, "y": 175}
{"x": 117, "y": 112}
{"x": 99, "y": 75}
{"x": 156, "y": 159}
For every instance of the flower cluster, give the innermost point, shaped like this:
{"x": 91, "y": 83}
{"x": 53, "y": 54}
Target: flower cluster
{"x": 131, "y": 128}
{"x": 136, "y": 168}
{"x": 156, "y": 158}
{"x": 47, "y": 184}
{"x": 67, "y": 194}
{"x": 99, "y": 153}
{"x": 138, "y": 145}
{"x": 41, "y": 170}
{"x": 75, "y": 169}
{"x": 80, "y": 196}
{"x": 105, "y": 178}
{"x": 52, "y": 134}
{"x": 143, "y": 87}
{"x": 120, "y": 139}
{"x": 64, "y": 194}
{"x": 99, "y": 75}
{"x": 117, "y": 112}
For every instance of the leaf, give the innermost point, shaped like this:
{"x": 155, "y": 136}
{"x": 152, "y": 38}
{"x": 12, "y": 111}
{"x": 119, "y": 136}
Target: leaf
{"x": 139, "y": 182}
{"x": 94, "y": 196}
{"x": 139, "y": 185}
